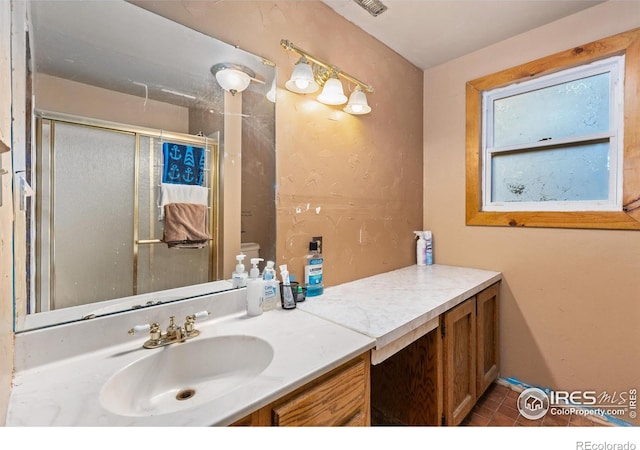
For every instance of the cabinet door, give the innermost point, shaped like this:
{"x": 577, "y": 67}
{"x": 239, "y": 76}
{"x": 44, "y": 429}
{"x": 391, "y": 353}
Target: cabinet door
{"x": 342, "y": 399}
{"x": 487, "y": 306}
{"x": 459, "y": 355}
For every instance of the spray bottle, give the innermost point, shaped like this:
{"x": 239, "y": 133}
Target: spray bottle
{"x": 421, "y": 246}
{"x": 428, "y": 251}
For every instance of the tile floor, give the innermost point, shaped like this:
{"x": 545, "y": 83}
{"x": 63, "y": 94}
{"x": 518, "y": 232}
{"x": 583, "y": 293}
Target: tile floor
{"x": 498, "y": 407}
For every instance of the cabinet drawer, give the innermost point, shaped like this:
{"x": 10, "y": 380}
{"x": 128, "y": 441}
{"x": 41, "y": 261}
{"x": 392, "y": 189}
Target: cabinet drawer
{"x": 340, "y": 399}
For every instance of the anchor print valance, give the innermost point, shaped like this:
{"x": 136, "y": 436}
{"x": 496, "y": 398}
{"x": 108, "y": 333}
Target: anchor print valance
{"x": 183, "y": 164}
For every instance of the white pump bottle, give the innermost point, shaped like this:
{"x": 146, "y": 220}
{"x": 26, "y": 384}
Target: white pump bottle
{"x": 421, "y": 246}
{"x": 239, "y": 277}
{"x": 255, "y": 289}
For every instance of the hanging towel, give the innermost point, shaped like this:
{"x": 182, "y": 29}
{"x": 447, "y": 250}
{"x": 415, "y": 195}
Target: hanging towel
{"x": 183, "y": 164}
{"x": 181, "y": 193}
{"x": 185, "y": 225}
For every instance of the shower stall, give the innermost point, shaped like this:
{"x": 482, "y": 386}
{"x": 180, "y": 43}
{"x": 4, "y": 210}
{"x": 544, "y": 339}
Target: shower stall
{"x": 97, "y": 220}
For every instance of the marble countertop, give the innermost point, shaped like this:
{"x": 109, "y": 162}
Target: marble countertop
{"x": 391, "y": 305}
{"x": 66, "y": 391}
{"x": 60, "y": 371}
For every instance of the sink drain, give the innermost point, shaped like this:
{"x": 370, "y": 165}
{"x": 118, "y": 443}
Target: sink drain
{"x": 185, "y": 394}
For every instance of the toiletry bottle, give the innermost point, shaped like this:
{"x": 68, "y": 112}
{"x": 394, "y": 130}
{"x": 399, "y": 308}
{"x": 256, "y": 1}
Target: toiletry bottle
{"x": 239, "y": 277}
{"x": 254, "y": 273}
{"x": 428, "y": 237}
{"x": 255, "y": 290}
{"x": 271, "y": 287}
{"x": 288, "y": 300}
{"x": 313, "y": 271}
{"x": 421, "y": 246}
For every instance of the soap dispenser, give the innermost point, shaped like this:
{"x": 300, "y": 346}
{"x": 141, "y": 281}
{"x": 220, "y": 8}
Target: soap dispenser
{"x": 271, "y": 287}
{"x": 255, "y": 271}
{"x": 255, "y": 289}
{"x": 239, "y": 277}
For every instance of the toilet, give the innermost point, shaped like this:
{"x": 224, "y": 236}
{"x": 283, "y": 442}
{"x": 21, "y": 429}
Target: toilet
{"x": 251, "y": 249}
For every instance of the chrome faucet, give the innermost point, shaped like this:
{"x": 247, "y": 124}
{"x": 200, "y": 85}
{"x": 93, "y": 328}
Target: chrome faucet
{"x": 173, "y": 333}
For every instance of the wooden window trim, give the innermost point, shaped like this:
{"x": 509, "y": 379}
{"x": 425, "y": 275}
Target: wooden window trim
{"x": 627, "y": 43}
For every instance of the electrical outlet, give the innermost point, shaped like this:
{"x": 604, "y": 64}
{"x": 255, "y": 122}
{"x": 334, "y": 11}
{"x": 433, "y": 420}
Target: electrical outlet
{"x": 318, "y": 239}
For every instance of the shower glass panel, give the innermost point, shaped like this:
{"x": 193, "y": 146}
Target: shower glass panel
{"x": 100, "y": 230}
{"x": 92, "y": 214}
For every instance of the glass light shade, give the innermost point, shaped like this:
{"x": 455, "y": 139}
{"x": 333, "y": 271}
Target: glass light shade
{"x": 357, "y": 103}
{"x": 332, "y": 93}
{"x": 233, "y": 80}
{"x": 302, "y": 80}
{"x": 271, "y": 95}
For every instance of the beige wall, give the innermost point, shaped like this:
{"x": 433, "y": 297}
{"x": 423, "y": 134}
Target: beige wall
{"x": 570, "y": 307}
{"x": 356, "y": 181}
{"x": 6, "y": 215}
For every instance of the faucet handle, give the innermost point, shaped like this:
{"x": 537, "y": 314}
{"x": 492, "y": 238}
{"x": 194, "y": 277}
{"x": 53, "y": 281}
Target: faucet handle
{"x": 190, "y": 320}
{"x": 201, "y": 315}
{"x": 139, "y": 329}
{"x": 144, "y": 328}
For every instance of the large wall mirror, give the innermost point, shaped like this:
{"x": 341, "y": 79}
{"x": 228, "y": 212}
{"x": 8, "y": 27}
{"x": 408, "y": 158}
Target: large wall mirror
{"x": 117, "y": 92}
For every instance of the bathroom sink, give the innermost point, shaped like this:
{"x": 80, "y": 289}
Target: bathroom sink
{"x": 184, "y": 375}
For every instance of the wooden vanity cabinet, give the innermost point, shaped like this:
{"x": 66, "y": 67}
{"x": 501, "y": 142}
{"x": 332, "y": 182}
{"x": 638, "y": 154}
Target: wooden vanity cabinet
{"x": 437, "y": 379}
{"x": 339, "y": 398}
{"x": 470, "y": 352}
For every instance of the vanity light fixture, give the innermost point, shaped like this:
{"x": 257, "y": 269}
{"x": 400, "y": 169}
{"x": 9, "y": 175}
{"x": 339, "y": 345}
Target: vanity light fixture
{"x": 271, "y": 95}
{"x": 233, "y": 77}
{"x": 310, "y": 73}
{"x": 302, "y": 79}
{"x": 357, "y": 103}
{"x": 332, "y": 93}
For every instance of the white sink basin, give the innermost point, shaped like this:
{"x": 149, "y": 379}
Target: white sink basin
{"x": 184, "y": 375}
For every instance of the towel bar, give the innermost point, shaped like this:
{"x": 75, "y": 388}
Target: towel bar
{"x": 154, "y": 241}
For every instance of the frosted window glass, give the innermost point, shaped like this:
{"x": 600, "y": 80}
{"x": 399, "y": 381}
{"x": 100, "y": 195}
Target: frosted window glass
{"x": 93, "y": 214}
{"x": 560, "y": 174}
{"x": 569, "y": 109}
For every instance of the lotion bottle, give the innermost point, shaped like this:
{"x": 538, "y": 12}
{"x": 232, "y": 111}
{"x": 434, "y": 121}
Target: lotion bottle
{"x": 271, "y": 287}
{"x": 255, "y": 290}
{"x": 239, "y": 277}
{"x": 421, "y": 246}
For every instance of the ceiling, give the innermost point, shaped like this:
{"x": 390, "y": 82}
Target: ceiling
{"x": 430, "y": 32}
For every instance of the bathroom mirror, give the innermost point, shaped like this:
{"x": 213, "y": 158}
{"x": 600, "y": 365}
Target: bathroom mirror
{"x": 112, "y": 78}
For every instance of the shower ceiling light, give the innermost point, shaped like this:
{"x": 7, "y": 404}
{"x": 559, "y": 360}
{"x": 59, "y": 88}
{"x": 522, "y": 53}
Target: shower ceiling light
{"x": 233, "y": 77}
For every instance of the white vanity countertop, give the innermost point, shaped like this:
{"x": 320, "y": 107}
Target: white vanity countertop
{"x": 391, "y": 305}
{"x": 67, "y": 392}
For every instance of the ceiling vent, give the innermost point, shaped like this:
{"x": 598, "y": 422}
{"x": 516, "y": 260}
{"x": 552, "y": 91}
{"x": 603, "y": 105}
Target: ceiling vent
{"x": 374, "y": 7}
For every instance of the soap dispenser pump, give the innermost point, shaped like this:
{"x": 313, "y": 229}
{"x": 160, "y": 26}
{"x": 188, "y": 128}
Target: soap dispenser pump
{"x": 239, "y": 277}
{"x": 255, "y": 289}
{"x": 255, "y": 271}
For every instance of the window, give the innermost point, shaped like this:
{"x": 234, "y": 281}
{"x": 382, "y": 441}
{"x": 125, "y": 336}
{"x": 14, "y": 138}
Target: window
{"x": 552, "y": 143}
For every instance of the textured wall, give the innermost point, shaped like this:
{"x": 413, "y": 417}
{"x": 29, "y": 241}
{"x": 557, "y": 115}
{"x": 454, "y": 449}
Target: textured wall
{"x": 356, "y": 181}
{"x": 570, "y": 309}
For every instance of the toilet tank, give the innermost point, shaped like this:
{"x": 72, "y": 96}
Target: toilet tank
{"x": 251, "y": 249}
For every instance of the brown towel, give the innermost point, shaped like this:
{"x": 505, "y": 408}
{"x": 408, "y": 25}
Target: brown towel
{"x": 185, "y": 225}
